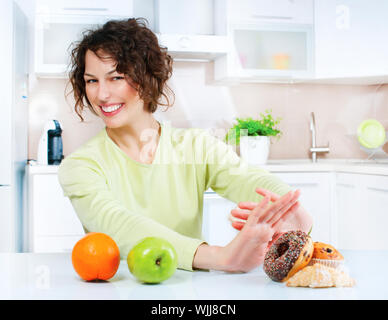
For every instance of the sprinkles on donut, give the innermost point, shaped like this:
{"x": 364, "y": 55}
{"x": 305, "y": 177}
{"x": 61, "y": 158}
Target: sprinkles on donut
{"x": 291, "y": 252}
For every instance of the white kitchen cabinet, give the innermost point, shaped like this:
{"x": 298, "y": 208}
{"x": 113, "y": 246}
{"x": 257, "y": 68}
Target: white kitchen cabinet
{"x": 217, "y": 228}
{"x": 350, "y": 41}
{"x": 7, "y": 219}
{"x": 187, "y": 17}
{"x": 269, "y": 41}
{"x": 52, "y": 57}
{"x": 67, "y": 20}
{"x": 362, "y": 202}
{"x": 193, "y": 31}
{"x": 53, "y": 225}
{"x": 266, "y": 52}
{"x": 186, "y": 47}
{"x": 280, "y": 11}
{"x": 85, "y": 7}
{"x": 317, "y": 197}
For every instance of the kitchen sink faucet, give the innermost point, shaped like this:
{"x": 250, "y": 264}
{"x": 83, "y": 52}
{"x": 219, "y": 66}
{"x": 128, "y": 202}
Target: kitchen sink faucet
{"x": 314, "y": 149}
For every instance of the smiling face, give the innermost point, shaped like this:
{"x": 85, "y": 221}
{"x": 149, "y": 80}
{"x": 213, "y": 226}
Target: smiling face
{"x": 111, "y": 95}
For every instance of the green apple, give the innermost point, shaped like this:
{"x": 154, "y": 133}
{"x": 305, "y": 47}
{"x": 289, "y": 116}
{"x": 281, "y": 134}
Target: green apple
{"x": 152, "y": 260}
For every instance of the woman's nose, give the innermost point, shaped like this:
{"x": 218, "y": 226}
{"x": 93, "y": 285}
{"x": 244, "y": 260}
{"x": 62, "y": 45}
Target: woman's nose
{"x": 103, "y": 91}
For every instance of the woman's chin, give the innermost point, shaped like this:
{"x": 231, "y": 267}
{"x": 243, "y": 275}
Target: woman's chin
{"x": 113, "y": 124}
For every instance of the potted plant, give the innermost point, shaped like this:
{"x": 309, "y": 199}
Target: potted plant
{"x": 253, "y": 136}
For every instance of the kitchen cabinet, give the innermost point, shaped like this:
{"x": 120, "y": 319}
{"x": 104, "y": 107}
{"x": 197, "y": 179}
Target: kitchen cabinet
{"x": 193, "y": 31}
{"x": 66, "y": 20}
{"x": 52, "y": 57}
{"x": 262, "y": 52}
{"x": 268, "y": 42}
{"x": 280, "y": 11}
{"x": 185, "y": 17}
{"x": 52, "y": 224}
{"x": 85, "y": 7}
{"x": 317, "y": 197}
{"x": 195, "y": 48}
{"x": 7, "y": 219}
{"x": 362, "y": 202}
{"x": 217, "y": 228}
{"x": 349, "y": 45}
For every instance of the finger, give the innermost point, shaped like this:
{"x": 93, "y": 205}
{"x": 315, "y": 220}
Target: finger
{"x": 291, "y": 211}
{"x": 276, "y": 236}
{"x": 276, "y": 216}
{"x": 265, "y": 192}
{"x": 232, "y": 219}
{"x": 258, "y": 211}
{"x": 248, "y": 205}
{"x": 281, "y": 206}
{"x": 238, "y": 225}
{"x": 240, "y": 214}
{"x": 276, "y": 206}
{"x": 285, "y": 208}
{"x": 280, "y": 214}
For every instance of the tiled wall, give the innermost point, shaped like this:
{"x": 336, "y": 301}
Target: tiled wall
{"x": 199, "y": 103}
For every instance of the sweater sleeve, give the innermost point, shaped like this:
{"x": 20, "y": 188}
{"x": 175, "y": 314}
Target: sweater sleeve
{"x": 232, "y": 177}
{"x": 99, "y": 211}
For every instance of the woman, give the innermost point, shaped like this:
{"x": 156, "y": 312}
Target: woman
{"x": 138, "y": 177}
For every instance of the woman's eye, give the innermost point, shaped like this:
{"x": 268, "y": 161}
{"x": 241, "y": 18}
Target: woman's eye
{"x": 90, "y": 81}
{"x": 118, "y": 78}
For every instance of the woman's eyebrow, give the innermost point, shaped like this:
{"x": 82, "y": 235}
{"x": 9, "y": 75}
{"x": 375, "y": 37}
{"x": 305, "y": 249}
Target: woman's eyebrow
{"x": 90, "y": 75}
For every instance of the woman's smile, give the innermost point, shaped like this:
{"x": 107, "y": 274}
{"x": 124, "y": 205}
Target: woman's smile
{"x": 109, "y": 110}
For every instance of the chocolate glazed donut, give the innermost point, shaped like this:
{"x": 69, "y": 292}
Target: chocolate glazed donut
{"x": 291, "y": 252}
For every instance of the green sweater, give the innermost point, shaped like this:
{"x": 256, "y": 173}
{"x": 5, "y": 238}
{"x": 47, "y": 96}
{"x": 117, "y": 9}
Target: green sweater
{"x": 128, "y": 200}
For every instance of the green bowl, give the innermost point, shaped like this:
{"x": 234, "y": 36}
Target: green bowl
{"x": 371, "y": 134}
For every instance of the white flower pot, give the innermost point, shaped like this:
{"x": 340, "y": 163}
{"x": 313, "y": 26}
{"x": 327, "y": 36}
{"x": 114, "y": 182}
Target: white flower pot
{"x": 254, "y": 149}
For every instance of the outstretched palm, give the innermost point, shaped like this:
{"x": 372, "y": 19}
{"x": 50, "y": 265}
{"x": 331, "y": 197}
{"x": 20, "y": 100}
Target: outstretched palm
{"x": 246, "y": 251}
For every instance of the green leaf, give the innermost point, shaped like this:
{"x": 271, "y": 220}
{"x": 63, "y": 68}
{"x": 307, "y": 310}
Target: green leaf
{"x": 265, "y": 126}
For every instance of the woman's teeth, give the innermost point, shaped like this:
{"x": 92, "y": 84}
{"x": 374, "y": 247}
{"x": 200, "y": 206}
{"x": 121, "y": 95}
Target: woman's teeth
{"x": 111, "y": 108}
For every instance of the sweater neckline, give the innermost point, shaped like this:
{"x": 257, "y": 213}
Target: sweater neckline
{"x": 145, "y": 165}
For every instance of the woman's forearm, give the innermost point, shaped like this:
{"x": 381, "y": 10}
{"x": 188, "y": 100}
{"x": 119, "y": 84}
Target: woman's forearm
{"x": 207, "y": 258}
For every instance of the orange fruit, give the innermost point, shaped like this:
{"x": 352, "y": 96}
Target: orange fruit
{"x": 96, "y": 256}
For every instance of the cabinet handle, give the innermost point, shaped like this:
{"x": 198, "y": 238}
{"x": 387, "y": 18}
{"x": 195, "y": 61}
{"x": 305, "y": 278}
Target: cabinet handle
{"x": 85, "y": 9}
{"x": 378, "y": 189}
{"x": 345, "y": 185}
{"x": 303, "y": 184}
{"x": 259, "y": 16}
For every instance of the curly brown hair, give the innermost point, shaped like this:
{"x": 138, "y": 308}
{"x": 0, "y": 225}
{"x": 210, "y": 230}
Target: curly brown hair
{"x": 139, "y": 57}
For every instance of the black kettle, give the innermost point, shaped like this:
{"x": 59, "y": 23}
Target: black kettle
{"x": 50, "y": 150}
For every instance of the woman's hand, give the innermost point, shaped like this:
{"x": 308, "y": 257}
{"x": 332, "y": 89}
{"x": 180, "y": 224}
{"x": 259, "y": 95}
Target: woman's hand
{"x": 299, "y": 220}
{"x": 246, "y": 251}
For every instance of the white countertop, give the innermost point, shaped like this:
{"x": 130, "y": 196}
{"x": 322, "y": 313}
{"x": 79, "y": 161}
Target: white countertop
{"x": 289, "y": 165}
{"x": 379, "y": 167}
{"x": 51, "y": 276}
